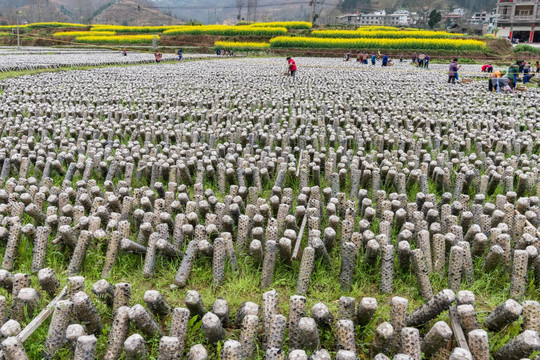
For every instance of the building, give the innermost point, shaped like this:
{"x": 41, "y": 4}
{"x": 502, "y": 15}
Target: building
{"x": 492, "y": 21}
{"x": 399, "y": 18}
{"x": 479, "y": 18}
{"x": 350, "y": 19}
{"x": 458, "y": 12}
{"x": 519, "y": 19}
{"x": 379, "y": 17}
{"x": 375, "y": 18}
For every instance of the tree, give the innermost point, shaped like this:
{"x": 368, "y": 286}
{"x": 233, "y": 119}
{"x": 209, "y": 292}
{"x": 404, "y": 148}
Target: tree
{"x": 434, "y": 18}
{"x": 239, "y": 6}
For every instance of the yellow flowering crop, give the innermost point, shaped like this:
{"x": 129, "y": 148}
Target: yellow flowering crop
{"x": 82, "y": 33}
{"x": 226, "y": 30}
{"x": 132, "y": 29}
{"x": 378, "y": 28}
{"x": 233, "y": 45}
{"x": 374, "y": 43}
{"x": 116, "y": 39}
{"x": 44, "y": 24}
{"x": 285, "y": 24}
{"x": 387, "y": 34}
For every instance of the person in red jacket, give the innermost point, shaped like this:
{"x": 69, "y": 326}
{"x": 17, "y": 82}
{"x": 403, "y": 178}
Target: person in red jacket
{"x": 292, "y": 66}
{"x": 487, "y": 68}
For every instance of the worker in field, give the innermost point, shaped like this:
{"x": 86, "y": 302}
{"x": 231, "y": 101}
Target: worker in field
{"x": 373, "y": 59}
{"x": 366, "y": 58}
{"x": 180, "y": 54}
{"x": 453, "y": 71}
{"x": 421, "y": 59}
{"x": 385, "y": 60}
{"x": 414, "y": 57}
{"x": 124, "y": 52}
{"x": 426, "y": 61}
{"x": 527, "y": 73}
{"x": 158, "y": 56}
{"x": 487, "y": 68}
{"x": 513, "y": 72}
{"x": 495, "y": 75}
{"x": 292, "y": 66}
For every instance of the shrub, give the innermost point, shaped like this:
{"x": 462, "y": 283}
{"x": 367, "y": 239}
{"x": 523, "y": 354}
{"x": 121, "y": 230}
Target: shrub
{"x": 525, "y": 48}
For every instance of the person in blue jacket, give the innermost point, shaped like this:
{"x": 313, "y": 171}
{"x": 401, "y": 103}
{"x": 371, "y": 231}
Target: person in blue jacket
{"x": 385, "y": 60}
{"x": 373, "y": 59}
{"x": 180, "y": 54}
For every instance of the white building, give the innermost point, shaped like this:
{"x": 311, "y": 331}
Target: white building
{"x": 459, "y": 11}
{"x": 479, "y": 18}
{"x": 375, "y": 18}
{"x": 351, "y": 19}
{"x": 399, "y": 18}
{"x": 379, "y": 17}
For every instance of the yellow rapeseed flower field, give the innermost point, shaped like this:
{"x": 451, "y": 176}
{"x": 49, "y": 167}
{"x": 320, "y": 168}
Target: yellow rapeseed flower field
{"x": 116, "y": 39}
{"x": 378, "y": 28}
{"x": 82, "y": 33}
{"x": 234, "y": 45}
{"x": 44, "y": 24}
{"x": 132, "y": 29}
{"x": 285, "y": 24}
{"x": 376, "y": 43}
{"x": 387, "y": 34}
{"x": 226, "y": 30}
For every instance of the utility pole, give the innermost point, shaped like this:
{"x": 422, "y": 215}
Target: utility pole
{"x": 312, "y": 16}
{"x": 18, "y": 38}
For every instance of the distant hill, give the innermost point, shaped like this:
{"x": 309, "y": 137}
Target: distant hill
{"x": 132, "y": 12}
{"x": 226, "y": 11}
{"x": 117, "y": 12}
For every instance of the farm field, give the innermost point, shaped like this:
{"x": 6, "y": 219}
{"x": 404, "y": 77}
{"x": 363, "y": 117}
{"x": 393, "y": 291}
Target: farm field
{"x": 271, "y": 37}
{"x": 221, "y": 210}
{"x": 38, "y": 58}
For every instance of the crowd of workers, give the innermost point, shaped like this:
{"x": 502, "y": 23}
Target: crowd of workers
{"x": 507, "y": 80}
{"x": 500, "y": 79}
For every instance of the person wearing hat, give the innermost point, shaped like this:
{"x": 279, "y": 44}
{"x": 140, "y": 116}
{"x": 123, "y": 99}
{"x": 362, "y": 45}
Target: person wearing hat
{"x": 496, "y": 74}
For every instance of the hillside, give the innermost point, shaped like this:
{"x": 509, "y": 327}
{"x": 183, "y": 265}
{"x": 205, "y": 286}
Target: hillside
{"x": 227, "y": 11}
{"x": 133, "y": 12}
{"x": 130, "y": 12}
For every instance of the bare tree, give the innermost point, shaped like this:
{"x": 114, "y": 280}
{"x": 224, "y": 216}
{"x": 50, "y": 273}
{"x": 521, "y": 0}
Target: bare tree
{"x": 240, "y": 5}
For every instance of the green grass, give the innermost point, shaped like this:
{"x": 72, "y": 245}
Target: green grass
{"x": 526, "y": 48}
